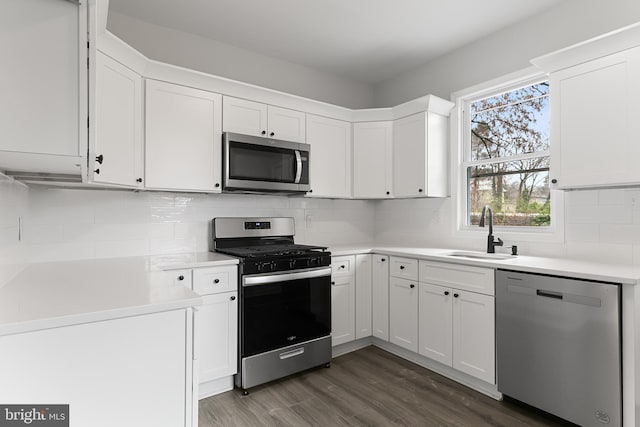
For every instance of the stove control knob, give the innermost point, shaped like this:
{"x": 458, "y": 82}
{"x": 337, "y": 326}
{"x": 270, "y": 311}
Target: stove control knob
{"x": 292, "y": 264}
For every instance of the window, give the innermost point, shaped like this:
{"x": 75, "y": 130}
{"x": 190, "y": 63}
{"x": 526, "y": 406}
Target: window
{"x": 506, "y": 155}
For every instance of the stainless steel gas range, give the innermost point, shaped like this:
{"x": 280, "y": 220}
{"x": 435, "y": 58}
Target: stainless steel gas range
{"x": 285, "y": 298}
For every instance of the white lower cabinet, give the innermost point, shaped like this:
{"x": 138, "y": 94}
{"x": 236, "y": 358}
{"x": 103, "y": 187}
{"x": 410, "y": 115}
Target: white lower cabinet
{"x": 216, "y": 329}
{"x": 474, "y": 335}
{"x": 343, "y": 300}
{"x": 140, "y": 365}
{"x": 380, "y": 296}
{"x": 363, "y": 295}
{"x": 457, "y": 327}
{"x": 435, "y": 320}
{"x": 403, "y": 313}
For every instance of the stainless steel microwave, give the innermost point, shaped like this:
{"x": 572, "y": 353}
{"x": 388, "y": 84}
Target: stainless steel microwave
{"x": 253, "y": 164}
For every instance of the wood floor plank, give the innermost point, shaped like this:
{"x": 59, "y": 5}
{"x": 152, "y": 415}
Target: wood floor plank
{"x": 368, "y": 387}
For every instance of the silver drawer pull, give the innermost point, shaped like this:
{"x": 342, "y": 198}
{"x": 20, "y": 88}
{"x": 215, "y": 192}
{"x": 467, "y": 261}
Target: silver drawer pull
{"x": 292, "y": 353}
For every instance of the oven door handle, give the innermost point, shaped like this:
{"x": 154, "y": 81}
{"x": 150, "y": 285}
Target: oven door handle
{"x": 298, "y": 167}
{"x": 285, "y": 277}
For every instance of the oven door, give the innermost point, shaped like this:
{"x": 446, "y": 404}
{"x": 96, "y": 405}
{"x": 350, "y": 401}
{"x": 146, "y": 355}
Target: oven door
{"x": 281, "y": 309}
{"x": 261, "y": 164}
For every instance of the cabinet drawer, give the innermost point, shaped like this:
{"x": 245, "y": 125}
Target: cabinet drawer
{"x": 215, "y": 280}
{"x": 343, "y": 265}
{"x": 181, "y": 277}
{"x": 464, "y": 277}
{"x": 405, "y": 268}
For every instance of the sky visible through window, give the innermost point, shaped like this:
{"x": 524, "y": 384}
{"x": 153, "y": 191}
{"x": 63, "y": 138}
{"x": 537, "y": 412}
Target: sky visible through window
{"x": 514, "y": 123}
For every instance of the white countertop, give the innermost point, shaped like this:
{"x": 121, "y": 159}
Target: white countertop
{"x": 49, "y": 295}
{"x": 533, "y": 264}
{"x": 191, "y": 260}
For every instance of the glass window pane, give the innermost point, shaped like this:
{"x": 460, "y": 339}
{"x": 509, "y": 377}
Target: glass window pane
{"x": 517, "y": 192}
{"x": 512, "y": 123}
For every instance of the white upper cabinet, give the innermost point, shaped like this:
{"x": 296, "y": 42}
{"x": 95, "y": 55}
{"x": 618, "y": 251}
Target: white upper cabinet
{"x": 43, "y": 82}
{"x": 373, "y": 160}
{"x": 286, "y": 124}
{"x": 242, "y": 116}
{"x": 116, "y": 128}
{"x": 254, "y": 118}
{"x": 595, "y": 108}
{"x": 183, "y": 146}
{"x": 420, "y": 156}
{"x": 330, "y": 158}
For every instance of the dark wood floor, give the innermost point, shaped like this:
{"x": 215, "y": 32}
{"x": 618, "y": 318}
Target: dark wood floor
{"x": 369, "y": 387}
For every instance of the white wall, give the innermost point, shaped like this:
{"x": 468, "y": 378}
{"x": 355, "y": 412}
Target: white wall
{"x": 13, "y": 205}
{"x": 75, "y": 224}
{"x": 508, "y": 50}
{"x": 213, "y": 57}
{"x": 600, "y": 225}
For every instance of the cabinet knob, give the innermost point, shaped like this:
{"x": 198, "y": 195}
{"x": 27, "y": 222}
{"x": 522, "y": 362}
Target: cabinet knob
{"x": 412, "y": 286}
{"x": 216, "y": 281}
{"x": 233, "y": 298}
{"x": 97, "y": 171}
{"x": 310, "y": 191}
{"x": 333, "y": 283}
{"x": 402, "y": 267}
{"x": 388, "y": 193}
{"x": 99, "y": 158}
{"x": 342, "y": 266}
{"x": 554, "y": 181}
{"x": 456, "y": 295}
{"x": 446, "y": 292}
{"x": 139, "y": 180}
{"x": 264, "y": 132}
{"x": 181, "y": 277}
{"x": 419, "y": 190}
{"x": 217, "y": 185}
{"x": 383, "y": 259}
{"x": 272, "y": 134}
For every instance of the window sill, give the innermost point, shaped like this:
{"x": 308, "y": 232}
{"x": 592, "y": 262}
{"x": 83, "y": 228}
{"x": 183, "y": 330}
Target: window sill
{"x": 511, "y": 236}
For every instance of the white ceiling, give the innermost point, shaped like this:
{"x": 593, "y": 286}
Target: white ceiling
{"x": 366, "y": 40}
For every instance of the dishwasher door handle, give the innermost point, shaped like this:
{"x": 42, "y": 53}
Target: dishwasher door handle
{"x": 549, "y": 294}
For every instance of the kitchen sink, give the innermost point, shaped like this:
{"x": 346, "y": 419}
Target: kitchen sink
{"x": 479, "y": 255}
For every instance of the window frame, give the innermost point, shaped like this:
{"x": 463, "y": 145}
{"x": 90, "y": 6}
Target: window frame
{"x": 461, "y": 155}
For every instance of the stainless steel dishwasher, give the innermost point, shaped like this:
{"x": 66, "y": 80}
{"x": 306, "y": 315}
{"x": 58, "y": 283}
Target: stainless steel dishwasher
{"x": 558, "y": 346}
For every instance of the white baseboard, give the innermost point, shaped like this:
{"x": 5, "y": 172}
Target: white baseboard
{"x": 211, "y": 388}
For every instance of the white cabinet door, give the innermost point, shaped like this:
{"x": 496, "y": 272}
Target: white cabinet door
{"x": 116, "y": 129}
{"x": 216, "y": 329}
{"x": 342, "y": 309}
{"x": 242, "y": 116}
{"x": 372, "y": 160}
{"x": 420, "y": 153}
{"x": 330, "y": 158}
{"x": 183, "y": 147}
{"x": 474, "y": 334}
{"x": 136, "y": 364}
{"x": 40, "y": 41}
{"x": 285, "y": 124}
{"x": 594, "y": 122}
{"x": 380, "y": 296}
{"x": 403, "y": 313}
{"x": 363, "y": 295}
{"x": 435, "y": 326}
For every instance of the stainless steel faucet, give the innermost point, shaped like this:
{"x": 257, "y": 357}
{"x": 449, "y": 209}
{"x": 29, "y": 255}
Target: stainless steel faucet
{"x": 491, "y": 242}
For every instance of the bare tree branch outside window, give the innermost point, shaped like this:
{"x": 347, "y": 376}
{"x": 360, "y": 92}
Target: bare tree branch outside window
{"x": 504, "y": 126}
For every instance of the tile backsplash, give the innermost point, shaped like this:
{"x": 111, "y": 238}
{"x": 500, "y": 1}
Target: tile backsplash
{"x": 600, "y": 225}
{"x": 65, "y": 224}
{"x": 13, "y": 210}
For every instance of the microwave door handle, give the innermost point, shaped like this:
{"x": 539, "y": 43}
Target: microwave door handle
{"x": 298, "y": 167}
